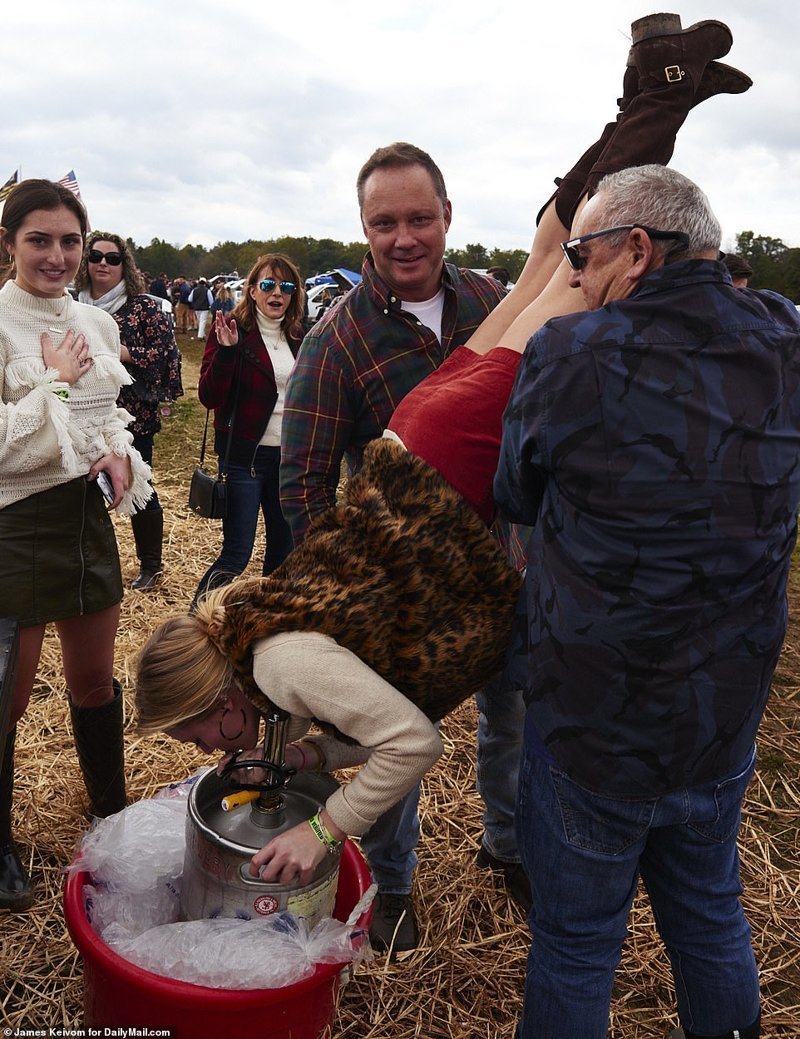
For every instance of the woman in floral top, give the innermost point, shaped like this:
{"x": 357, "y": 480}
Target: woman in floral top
{"x": 108, "y": 278}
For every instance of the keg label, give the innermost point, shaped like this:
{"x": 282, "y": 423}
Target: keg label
{"x": 265, "y": 905}
{"x": 315, "y": 902}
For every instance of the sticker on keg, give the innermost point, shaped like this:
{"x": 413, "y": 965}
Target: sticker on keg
{"x": 265, "y": 904}
{"x": 316, "y": 901}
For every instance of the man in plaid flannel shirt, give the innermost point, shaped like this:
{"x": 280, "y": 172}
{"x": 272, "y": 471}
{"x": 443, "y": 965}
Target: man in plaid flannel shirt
{"x": 387, "y": 334}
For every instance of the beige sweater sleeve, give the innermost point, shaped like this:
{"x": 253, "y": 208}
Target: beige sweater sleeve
{"x": 312, "y": 676}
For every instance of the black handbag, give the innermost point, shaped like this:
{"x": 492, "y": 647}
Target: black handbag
{"x": 208, "y": 494}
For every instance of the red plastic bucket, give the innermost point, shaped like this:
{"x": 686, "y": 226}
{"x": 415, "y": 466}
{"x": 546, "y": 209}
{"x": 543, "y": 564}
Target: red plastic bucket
{"x": 119, "y": 994}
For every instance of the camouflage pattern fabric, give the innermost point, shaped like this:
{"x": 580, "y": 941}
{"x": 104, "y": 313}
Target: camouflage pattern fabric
{"x": 655, "y": 445}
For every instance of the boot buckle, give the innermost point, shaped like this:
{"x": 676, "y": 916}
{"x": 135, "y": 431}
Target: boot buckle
{"x": 674, "y": 73}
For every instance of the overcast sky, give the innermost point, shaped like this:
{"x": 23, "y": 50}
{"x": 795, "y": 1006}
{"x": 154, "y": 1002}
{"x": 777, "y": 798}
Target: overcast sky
{"x": 208, "y": 122}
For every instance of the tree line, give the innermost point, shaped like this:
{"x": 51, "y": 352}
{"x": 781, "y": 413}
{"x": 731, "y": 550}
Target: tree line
{"x": 775, "y": 265}
{"x": 312, "y": 256}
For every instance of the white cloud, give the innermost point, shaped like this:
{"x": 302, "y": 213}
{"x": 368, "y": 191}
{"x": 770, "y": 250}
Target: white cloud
{"x": 231, "y": 121}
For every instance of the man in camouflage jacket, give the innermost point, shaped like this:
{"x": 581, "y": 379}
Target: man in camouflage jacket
{"x": 655, "y": 444}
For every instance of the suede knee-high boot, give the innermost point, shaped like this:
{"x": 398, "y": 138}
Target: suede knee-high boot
{"x": 716, "y": 78}
{"x": 670, "y": 69}
{"x": 148, "y": 533}
{"x": 571, "y": 187}
{"x": 101, "y": 753}
{"x": 16, "y": 891}
{"x": 639, "y": 135}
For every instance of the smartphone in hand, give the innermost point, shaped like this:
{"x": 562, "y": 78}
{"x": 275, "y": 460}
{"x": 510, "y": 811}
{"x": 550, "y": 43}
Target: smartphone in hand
{"x": 106, "y": 486}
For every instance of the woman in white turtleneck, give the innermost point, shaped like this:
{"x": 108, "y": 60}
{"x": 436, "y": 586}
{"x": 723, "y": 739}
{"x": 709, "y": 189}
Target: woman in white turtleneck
{"x": 247, "y": 361}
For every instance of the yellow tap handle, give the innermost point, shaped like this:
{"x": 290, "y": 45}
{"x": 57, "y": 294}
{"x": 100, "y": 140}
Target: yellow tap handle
{"x": 243, "y": 797}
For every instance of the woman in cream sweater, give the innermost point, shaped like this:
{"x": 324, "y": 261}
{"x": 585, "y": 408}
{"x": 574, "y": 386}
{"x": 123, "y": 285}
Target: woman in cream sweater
{"x": 60, "y": 433}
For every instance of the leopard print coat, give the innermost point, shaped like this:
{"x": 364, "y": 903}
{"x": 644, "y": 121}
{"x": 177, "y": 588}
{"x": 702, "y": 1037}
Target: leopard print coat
{"x": 403, "y": 573}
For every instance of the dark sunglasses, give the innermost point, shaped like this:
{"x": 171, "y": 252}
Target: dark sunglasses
{"x": 287, "y": 287}
{"x": 112, "y": 259}
{"x": 578, "y": 262}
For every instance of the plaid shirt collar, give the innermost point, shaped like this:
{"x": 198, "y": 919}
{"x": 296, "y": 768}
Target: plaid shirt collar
{"x": 388, "y": 300}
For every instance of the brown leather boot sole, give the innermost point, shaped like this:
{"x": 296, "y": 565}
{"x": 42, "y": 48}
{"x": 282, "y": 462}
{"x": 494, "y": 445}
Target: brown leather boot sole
{"x": 655, "y": 25}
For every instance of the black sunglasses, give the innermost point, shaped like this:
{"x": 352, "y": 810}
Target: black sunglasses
{"x": 268, "y": 284}
{"x": 112, "y": 259}
{"x": 578, "y": 262}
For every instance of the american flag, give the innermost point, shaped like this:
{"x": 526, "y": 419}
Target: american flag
{"x": 5, "y": 190}
{"x": 70, "y": 181}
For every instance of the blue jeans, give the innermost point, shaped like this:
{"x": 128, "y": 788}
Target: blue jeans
{"x": 250, "y": 491}
{"x": 501, "y": 721}
{"x": 584, "y": 853}
{"x": 390, "y": 845}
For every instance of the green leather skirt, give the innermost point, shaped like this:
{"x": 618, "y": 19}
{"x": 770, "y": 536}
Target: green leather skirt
{"x": 58, "y": 555}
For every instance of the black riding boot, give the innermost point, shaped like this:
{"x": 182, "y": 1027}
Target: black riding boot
{"x": 148, "y": 533}
{"x": 101, "y": 753}
{"x": 16, "y": 892}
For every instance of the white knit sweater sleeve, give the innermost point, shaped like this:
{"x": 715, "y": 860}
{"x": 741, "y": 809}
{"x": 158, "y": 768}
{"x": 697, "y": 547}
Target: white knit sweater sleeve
{"x": 312, "y": 676}
{"x": 34, "y": 430}
{"x": 46, "y": 440}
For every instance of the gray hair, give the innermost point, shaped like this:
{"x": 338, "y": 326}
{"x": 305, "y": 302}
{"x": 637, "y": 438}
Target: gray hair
{"x": 663, "y": 199}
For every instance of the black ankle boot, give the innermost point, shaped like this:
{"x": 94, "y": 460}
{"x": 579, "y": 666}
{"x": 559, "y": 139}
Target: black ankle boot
{"x": 16, "y": 891}
{"x": 101, "y": 753}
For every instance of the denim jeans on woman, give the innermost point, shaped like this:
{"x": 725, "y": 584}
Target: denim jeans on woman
{"x": 250, "y": 491}
{"x": 390, "y": 846}
{"x": 584, "y": 854}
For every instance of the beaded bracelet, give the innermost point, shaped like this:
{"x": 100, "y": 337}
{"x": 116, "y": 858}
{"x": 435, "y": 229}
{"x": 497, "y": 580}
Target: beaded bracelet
{"x": 323, "y": 834}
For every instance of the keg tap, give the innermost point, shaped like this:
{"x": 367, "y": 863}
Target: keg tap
{"x": 267, "y": 810}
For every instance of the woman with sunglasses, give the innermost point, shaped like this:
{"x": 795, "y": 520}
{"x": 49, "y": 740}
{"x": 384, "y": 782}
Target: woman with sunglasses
{"x": 109, "y": 279}
{"x": 247, "y": 361}
{"x": 61, "y": 434}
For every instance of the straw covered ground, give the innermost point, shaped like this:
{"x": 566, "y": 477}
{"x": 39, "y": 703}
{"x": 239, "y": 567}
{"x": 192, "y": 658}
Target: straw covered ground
{"x": 465, "y": 980}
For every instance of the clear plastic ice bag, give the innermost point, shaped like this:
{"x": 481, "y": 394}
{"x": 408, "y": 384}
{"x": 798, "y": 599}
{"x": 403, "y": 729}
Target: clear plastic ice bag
{"x": 227, "y": 953}
{"x": 135, "y": 858}
{"x": 130, "y": 850}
